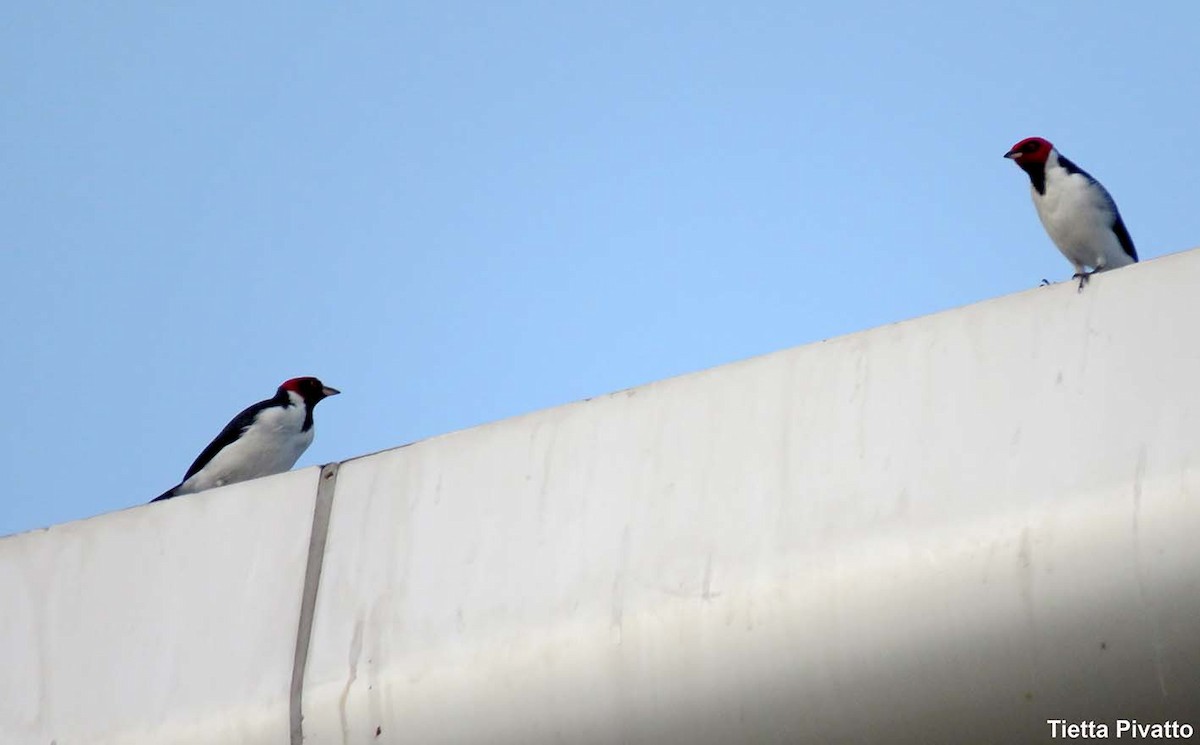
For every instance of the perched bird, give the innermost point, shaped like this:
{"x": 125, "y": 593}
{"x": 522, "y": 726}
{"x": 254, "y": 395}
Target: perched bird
{"x": 265, "y": 439}
{"x": 1077, "y": 212}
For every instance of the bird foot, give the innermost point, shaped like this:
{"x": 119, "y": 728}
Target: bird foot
{"x": 1044, "y": 283}
{"x": 1083, "y": 278}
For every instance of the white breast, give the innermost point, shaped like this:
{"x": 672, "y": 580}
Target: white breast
{"x": 1078, "y": 218}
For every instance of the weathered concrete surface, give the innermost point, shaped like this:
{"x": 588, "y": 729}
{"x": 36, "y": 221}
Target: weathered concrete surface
{"x": 170, "y": 623}
{"x": 945, "y": 530}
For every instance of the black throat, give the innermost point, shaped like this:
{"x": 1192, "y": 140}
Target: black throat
{"x": 282, "y": 397}
{"x": 1037, "y": 175}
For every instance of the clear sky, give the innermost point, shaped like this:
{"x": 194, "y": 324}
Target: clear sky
{"x": 460, "y": 211}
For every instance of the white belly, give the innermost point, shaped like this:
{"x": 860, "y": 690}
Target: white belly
{"x": 1079, "y": 222}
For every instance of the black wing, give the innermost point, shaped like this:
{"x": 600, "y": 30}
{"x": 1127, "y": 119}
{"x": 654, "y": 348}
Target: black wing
{"x": 165, "y": 495}
{"x": 1070, "y": 167}
{"x": 230, "y": 434}
{"x": 232, "y": 431}
{"x": 1118, "y": 224}
{"x": 1123, "y": 234}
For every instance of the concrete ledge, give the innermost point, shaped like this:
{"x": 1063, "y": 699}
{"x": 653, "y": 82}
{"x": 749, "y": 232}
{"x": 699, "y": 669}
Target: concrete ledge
{"x": 166, "y": 624}
{"x": 945, "y": 530}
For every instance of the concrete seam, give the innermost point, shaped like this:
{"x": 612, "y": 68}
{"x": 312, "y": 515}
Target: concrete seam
{"x": 326, "y": 483}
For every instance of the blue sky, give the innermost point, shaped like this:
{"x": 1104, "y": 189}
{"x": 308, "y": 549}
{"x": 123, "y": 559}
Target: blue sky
{"x": 460, "y": 211}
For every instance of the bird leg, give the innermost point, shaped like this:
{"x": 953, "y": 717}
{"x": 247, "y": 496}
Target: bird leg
{"x": 1084, "y": 276}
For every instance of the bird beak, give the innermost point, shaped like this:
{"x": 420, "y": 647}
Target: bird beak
{"x": 330, "y": 391}
{"x": 1014, "y": 154}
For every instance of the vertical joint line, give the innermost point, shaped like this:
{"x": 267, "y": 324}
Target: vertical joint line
{"x": 308, "y": 602}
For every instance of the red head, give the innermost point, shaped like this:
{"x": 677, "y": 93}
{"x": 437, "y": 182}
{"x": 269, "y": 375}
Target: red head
{"x": 310, "y": 389}
{"x": 1030, "y": 150}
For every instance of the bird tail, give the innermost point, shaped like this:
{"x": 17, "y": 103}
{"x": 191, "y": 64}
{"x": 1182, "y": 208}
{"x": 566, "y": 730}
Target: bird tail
{"x": 165, "y": 495}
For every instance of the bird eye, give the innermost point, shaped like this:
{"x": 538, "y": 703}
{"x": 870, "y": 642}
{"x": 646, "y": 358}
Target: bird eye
{"x": 1029, "y": 147}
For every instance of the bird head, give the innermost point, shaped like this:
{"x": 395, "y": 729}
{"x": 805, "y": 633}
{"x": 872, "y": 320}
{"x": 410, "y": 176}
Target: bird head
{"x": 310, "y": 389}
{"x": 1030, "y": 151}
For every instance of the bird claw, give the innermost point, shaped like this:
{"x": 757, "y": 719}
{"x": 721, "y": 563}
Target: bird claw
{"x": 1044, "y": 283}
{"x": 1083, "y": 278}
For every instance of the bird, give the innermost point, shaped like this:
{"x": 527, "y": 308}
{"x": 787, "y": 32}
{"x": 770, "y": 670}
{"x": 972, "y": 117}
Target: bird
{"x": 264, "y": 439}
{"x": 1077, "y": 212}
